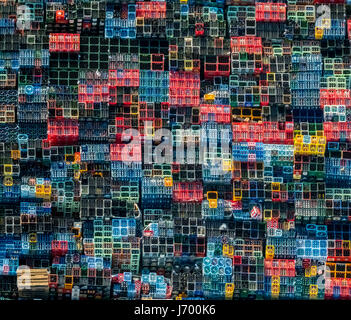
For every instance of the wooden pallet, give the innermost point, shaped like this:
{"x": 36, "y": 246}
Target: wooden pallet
{"x": 33, "y": 283}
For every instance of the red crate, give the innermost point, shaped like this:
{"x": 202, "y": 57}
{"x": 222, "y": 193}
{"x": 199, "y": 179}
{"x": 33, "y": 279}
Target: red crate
{"x": 63, "y": 131}
{"x": 59, "y": 248}
{"x": 151, "y": 9}
{"x": 147, "y": 112}
{"x": 187, "y": 192}
{"x": 247, "y": 132}
{"x": 341, "y": 251}
{"x": 267, "y": 132}
{"x": 121, "y": 152}
{"x": 64, "y": 42}
{"x": 248, "y": 44}
{"x": 123, "y": 78}
{"x": 128, "y": 99}
{"x": 184, "y": 88}
{"x": 333, "y": 131}
{"x": 278, "y": 132}
{"x": 123, "y": 134}
{"x": 270, "y": 12}
{"x": 90, "y": 94}
{"x": 279, "y": 267}
{"x": 344, "y": 286}
{"x": 217, "y": 113}
{"x": 332, "y": 97}
{"x": 220, "y": 68}
{"x": 237, "y": 260}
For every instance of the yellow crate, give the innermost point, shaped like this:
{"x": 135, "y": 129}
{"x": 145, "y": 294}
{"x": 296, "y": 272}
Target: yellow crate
{"x": 312, "y": 149}
{"x": 298, "y": 138}
{"x": 313, "y": 271}
{"x": 229, "y": 287}
{"x": 8, "y": 181}
{"x": 209, "y": 96}
{"x": 269, "y": 252}
{"x": 276, "y": 186}
{"x": 307, "y": 272}
{"x": 313, "y": 290}
{"x": 227, "y": 165}
{"x": 228, "y": 250}
{"x": 168, "y": 181}
{"x": 297, "y": 147}
{"x": 39, "y": 190}
{"x": 313, "y": 140}
{"x": 305, "y": 148}
{"x": 225, "y": 249}
{"x": 271, "y": 77}
{"x": 320, "y": 149}
{"x": 69, "y": 158}
{"x": 8, "y": 169}
{"x": 237, "y": 197}
{"x": 76, "y": 174}
{"x": 47, "y": 190}
{"x": 231, "y": 251}
{"x": 275, "y": 290}
{"x": 318, "y": 33}
{"x": 32, "y": 238}
{"x": 15, "y": 154}
{"x": 68, "y": 282}
{"x": 275, "y": 280}
{"x": 212, "y": 197}
{"x": 140, "y": 21}
{"x": 229, "y": 290}
{"x": 267, "y": 214}
{"x": 188, "y": 65}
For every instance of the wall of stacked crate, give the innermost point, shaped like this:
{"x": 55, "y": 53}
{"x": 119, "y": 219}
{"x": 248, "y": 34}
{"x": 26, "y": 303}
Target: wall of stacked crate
{"x": 259, "y": 95}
